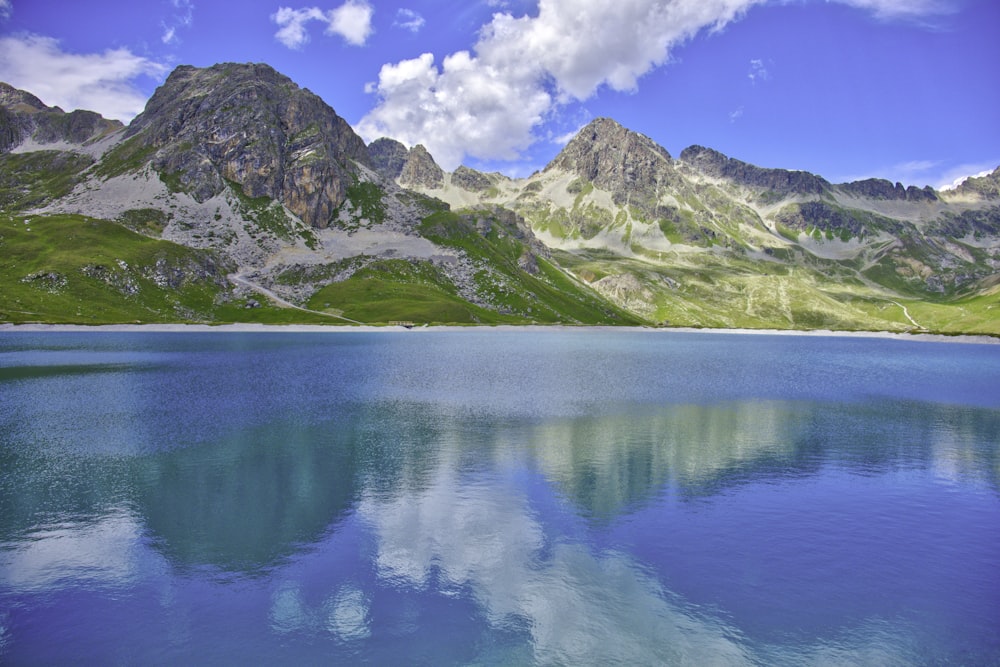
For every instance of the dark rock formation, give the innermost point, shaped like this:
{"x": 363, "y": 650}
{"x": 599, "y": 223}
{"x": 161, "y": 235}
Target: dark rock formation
{"x": 631, "y": 166}
{"x": 879, "y": 188}
{"x": 23, "y": 116}
{"x": 844, "y": 223}
{"x": 470, "y": 179}
{"x": 388, "y": 157}
{"x": 420, "y": 169}
{"x": 252, "y": 126}
{"x": 716, "y": 165}
{"x": 613, "y": 158}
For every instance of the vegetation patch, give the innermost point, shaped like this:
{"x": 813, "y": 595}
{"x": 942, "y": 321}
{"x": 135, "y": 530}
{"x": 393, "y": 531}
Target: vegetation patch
{"x": 128, "y": 156}
{"x": 148, "y": 221}
{"x": 68, "y": 268}
{"x": 366, "y": 202}
{"x": 267, "y": 215}
{"x": 28, "y": 180}
{"x": 401, "y": 290}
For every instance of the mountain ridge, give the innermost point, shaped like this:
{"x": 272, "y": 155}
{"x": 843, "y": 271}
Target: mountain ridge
{"x": 237, "y": 161}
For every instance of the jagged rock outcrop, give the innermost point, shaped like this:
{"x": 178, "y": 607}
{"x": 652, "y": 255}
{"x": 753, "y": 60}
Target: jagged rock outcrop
{"x": 388, "y": 157}
{"x": 714, "y": 164}
{"x": 982, "y": 187}
{"x": 879, "y": 188}
{"x": 252, "y": 126}
{"x": 420, "y": 170}
{"x": 616, "y": 159}
{"x": 24, "y": 117}
{"x": 841, "y": 222}
{"x": 470, "y": 179}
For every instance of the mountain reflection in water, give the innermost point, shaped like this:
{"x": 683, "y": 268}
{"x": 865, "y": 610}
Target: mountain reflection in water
{"x": 284, "y": 509}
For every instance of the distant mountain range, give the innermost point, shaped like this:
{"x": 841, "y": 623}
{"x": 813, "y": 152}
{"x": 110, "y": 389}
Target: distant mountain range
{"x": 239, "y": 196}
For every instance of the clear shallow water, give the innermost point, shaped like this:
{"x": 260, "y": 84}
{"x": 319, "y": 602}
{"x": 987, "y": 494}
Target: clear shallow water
{"x": 497, "y": 497}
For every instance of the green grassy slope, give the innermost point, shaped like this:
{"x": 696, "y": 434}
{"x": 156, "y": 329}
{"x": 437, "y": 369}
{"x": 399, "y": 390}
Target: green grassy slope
{"x": 715, "y": 290}
{"x": 73, "y": 269}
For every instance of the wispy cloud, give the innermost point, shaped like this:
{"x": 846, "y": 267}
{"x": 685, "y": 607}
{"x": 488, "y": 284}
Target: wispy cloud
{"x": 735, "y": 114}
{"x": 902, "y": 9}
{"x": 103, "y": 82}
{"x": 409, "y": 20}
{"x": 758, "y": 72}
{"x": 6, "y": 9}
{"x": 352, "y": 21}
{"x": 182, "y": 18}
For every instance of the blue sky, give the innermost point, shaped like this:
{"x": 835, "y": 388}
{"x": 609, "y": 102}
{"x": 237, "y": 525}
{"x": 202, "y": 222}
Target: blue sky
{"x": 907, "y": 90}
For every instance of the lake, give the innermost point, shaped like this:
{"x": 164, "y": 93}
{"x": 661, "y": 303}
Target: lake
{"x": 498, "y": 497}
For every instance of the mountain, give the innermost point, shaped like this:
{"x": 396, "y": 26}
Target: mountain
{"x": 709, "y": 240}
{"x": 239, "y": 196}
{"x": 25, "y": 120}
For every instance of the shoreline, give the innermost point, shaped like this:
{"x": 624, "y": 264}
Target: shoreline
{"x": 248, "y": 327}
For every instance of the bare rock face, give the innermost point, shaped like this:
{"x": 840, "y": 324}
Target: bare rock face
{"x": 388, "y": 157}
{"x": 420, "y": 170}
{"x": 249, "y": 125}
{"x": 983, "y": 187}
{"x": 471, "y": 180}
{"x": 23, "y": 116}
{"x": 716, "y": 165}
{"x": 631, "y": 166}
{"x": 879, "y": 188}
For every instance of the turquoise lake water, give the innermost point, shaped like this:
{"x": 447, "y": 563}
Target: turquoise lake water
{"x": 511, "y": 497}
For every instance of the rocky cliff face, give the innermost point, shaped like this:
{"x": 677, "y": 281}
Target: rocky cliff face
{"x": 981, "y": 187}
{"x": 420, "y": 170}
{"x": 414, "y": 167}
{"x": 388, "y": 157}
{"x": 714, "y": 164}
{"x": 879, "y": 188}
{"x": 251, "y": 126}
{"x": 472, "y": 180}
{"x": 629, "y": 165}
{"x": 24, "y": 117}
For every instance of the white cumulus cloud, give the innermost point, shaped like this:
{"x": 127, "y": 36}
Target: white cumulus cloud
{"x": 102, "y": 82}
{"x": 292, "y": 25}
{"x": 486, "y": 102}
{"x": 352, "y": 21}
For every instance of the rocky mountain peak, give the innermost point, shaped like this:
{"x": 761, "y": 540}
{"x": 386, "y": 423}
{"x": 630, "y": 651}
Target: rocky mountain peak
{"x": 472, "y": 180}
{"x": 983, "y": 187}
{"x": 388, "y": 157}
{"x": 420, "y": 169}
{"x": 604, "y": 152}
{"x": 880, "y": 188}
{"x": 24, "y": 117}
{"x": 22, "y": 101}
{"x": 249, "y": 125}
{"x": 629, "y": 165}
{"x": 714, "y": 164}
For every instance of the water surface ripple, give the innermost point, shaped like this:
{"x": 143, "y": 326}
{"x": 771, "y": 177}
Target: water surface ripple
{"x": 578, "y": 497}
